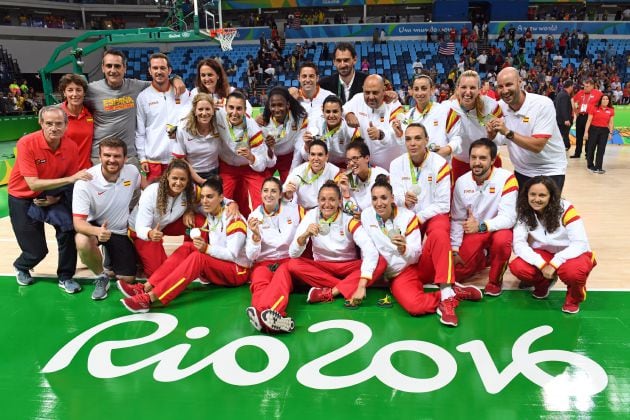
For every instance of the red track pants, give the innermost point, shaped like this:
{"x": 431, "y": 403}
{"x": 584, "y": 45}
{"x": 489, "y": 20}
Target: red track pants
{"x": 436, "y": 261}
{"x": 409, "y": 293}
{"x": 573, "y": 273}
{"x": 344, "y": 276}
{"x": 187, "y": 264}
{"x": 240, "y": 183}
{"x": 499, "y": 247}
{"x": 152, "y": 254}
{"x": 155, "y": 171}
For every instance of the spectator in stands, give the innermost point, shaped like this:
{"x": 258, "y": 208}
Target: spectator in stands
{"x": 73, "y": 88}
{"x": 564, "y": 111}
{"x": 534, "y": 140}
{"x": 158, "y": 112}
{"x": 582, "y": 101}
{"x": 14, "y": 88}
{"x": 598, "y": 132}
{"x": 365, "y": 65}
{"x": 40, "y": 191}
{"x": 112, "y": 102}
{"x": 487, "y": 90}
{"x": 345, "y": 82}
{"x": 625, "y": 100}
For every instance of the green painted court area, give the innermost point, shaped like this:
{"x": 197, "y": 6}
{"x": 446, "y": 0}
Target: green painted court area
{"x": 370, "y": 363}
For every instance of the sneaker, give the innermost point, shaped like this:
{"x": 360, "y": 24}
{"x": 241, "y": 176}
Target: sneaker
{"x": 592, "y": 170}
{"x": 446, "y": 311}
{"x": 137, "y": 304}
{"x": 202, "y": 280}
{"x": 276, "y": 322}
{"x": 101, "y": 287}
{"x": 319, "y": 294}
{"x": 600, "y": 171}
{"x": 493, "y": 289}
{"x": 23, "y": 277}
{"x": 129, "y": 289}
{"x": 252, "y": 313}
{"x": 541, "y": 290}
{"x": 469, "y": 292}
{"x": 571, "y": 308}
{"x": 69, "y": 286}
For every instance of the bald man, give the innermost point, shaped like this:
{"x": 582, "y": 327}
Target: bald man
{"x": 529, "y": 128}
{"x": 374, "y": 117}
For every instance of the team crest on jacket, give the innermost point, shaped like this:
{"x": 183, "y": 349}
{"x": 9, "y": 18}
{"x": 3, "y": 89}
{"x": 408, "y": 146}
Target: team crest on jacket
{"x": 430, "y": 178}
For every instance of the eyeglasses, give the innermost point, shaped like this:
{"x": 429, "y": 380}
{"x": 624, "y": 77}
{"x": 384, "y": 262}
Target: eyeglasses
{"x": 354, "y": 159}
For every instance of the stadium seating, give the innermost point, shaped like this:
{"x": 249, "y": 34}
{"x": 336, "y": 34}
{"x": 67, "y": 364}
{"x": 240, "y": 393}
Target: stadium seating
{"x": 393, "y": 60}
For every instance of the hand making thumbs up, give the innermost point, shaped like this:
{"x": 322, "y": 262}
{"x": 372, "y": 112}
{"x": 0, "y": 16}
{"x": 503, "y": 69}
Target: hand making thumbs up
{"x": 156, "y": 234}
{"x": 104, "y": 234}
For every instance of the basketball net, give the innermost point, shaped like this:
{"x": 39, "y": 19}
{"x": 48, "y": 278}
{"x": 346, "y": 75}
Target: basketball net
{"x": 225, "y": 37}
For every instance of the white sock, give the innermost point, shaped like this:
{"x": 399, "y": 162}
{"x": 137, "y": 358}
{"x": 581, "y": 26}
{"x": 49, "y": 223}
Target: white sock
{"x": 446, "y": 293}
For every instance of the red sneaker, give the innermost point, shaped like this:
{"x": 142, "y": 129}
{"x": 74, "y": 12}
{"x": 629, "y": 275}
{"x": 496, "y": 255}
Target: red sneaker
{"x": 541, "y": 289}
{"x": 469, "y": 292}
{"x": 492, "y": 289}
{"x": 129, "y": 289}
{"x": 275, "y": 322}
{"x": 446, "y": 311}
{"x": 319, "y": 294}
{"x": 137, "y": 304}
{"x": 571, "y": 308}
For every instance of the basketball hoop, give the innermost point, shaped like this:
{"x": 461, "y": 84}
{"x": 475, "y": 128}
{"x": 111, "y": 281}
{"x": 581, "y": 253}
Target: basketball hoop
{"x": 225, "y": 37}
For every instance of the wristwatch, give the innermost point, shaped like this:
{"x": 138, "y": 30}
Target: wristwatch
{"x": 509, "y": 135}
{"x": 483, "y": 227}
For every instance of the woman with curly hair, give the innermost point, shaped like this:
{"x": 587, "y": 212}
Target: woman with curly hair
{"x": 284, "y": 122}
{"x": 166, "y": 207}
{"x": 216, "y": 254}
{"x": 550, "y": 242}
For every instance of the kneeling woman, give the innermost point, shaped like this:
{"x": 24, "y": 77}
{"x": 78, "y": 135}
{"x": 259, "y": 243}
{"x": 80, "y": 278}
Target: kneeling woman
{"x": 550, "y": 242}
{"x": 165, "y": 208}
{"x": 219, "y": 257}
{"x": 395, "y": 232}
{"x": 336, "y": 268}
{"x": 272, "y": 227}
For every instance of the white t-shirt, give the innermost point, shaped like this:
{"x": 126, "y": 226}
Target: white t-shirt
{"x": 536, "y": 118}
{"x": 99, "y": 200}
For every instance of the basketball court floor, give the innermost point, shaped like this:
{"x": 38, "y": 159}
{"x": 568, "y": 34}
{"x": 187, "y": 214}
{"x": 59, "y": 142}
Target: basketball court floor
{"x": 512, "y": 357}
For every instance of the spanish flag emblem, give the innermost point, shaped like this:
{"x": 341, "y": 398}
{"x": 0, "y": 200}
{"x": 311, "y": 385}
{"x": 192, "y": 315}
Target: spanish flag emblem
{"x": 510, "y": 185}
{"x": 451, "y": 120}
{"x": 256, "y": 140}
{"x": 395, "y": 113}
{"x": 497, "y": 112}
{"x": 570, "y": 216}
{"x": 236, "y": 226}
{"x": 127, "y": 183}
{"x": 444, "y": 172}
{"x": 525, "y": 119}
{"x": 414, "y": 223}
{"x": 353, "y": 225}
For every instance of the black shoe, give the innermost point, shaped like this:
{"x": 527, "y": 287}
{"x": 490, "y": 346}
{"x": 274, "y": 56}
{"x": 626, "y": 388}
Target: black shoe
{"x": 574, "y": 156}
